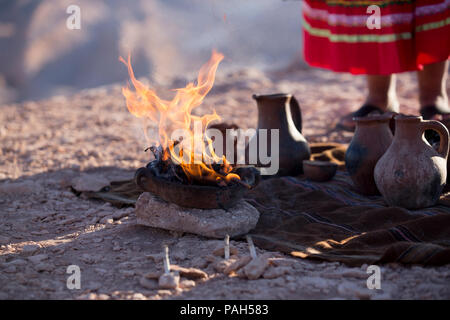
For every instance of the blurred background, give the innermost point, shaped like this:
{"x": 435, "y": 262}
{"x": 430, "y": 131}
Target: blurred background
{"x": 41, "y": 57}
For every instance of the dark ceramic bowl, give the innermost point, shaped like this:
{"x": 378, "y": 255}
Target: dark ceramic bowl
{"x": 197, "y": 196}
{"x": 319, "y": 170}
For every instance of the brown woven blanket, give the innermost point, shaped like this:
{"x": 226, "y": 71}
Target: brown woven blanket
{"x": 331, "y": 221}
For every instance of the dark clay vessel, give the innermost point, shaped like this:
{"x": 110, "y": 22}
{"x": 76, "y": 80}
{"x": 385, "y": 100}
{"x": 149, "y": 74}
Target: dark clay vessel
{"x": 319, "y": 171}
{"x": 197, "y": 196}
{"x": 282, "y": 111}
{"x": 446, "y": 123}
{"x": 372, "y": 138}
{"x": 411, "y": 174}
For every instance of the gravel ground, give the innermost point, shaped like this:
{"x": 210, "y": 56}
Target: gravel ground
{"x": 45, "y": 227}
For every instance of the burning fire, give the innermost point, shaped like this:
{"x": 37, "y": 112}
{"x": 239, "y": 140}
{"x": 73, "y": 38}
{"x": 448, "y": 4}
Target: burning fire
{"x": 195, "y": 153}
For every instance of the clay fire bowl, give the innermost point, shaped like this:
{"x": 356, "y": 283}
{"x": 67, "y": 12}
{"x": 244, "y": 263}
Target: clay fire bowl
{"x": 319, "y": 170}
{"x": 197, "y": 196}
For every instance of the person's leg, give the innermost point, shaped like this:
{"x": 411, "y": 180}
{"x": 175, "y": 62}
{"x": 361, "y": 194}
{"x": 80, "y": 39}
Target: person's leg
{"x": 382, "y": 92}
{"x": 432, "y": 88}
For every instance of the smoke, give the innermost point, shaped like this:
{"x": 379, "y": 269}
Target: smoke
{"x": 40, "y": 57}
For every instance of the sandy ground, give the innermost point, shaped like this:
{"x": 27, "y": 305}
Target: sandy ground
{"x": 45, "y": 227}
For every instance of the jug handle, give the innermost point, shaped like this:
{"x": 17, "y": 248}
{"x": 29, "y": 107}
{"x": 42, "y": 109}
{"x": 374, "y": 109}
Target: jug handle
{"x": 296, "y": 113}
{"x": 443, "y": 134}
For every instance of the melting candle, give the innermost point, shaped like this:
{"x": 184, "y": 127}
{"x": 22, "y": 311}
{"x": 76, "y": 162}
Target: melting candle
{"x": 166, "y": 260}
{"x": 251, "y": 247}
{"x": 227, "y": 247}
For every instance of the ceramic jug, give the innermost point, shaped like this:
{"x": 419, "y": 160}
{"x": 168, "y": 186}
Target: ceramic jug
{"x": 446, "y": 123}
{"x": 411, "y": 174}
{"x": 372, "y": 138}
{"x": 282, "y": 112}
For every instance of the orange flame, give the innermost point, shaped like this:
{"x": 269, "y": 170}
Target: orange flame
{"x": 195, "y": 156}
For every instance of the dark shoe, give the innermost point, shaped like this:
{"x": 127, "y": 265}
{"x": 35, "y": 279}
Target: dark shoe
{"x": 346, "y": 123}
{"x": 433, "y": 112}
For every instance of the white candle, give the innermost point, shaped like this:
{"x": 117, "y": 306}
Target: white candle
{"x": 227, "y": 247}
{"x": 251, "y": 247}
{"x": 166, "y": 260}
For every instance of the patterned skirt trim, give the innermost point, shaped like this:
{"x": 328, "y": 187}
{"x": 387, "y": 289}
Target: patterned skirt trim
{"x": 411, "y": 35}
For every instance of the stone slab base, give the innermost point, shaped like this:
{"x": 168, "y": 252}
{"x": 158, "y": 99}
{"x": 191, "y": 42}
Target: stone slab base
{"x": 214, "y": 223}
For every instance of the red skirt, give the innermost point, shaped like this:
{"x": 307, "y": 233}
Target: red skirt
{"x": 411, "y": 34}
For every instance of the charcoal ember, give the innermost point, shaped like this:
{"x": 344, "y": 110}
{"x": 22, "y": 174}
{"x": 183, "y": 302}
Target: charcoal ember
{"x": 163, "y": 167}
{"x": 217, "y": 167}
{"x": 248, "y": 174}
{"x": 167, "y": 170}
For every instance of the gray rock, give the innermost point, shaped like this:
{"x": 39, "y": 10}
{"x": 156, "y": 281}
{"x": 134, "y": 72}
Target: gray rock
{"x": 18, "y": 262}
{"x": 169, "y": 280}
{"x": 120, "y": 214}
{"x": 101, "y": 271}
{"x": 4, "y": 240}
{"x": 276, "y": 272}
{"x": 138, "y": 296}
{"x": 214, "y": 223}
{"x": 93, "y": 286}
{"x": 148, "y": 283}
{"x": 255, "y": 268}
{"x": 24, "y": 187}
{"x": 10, "y": 269}
{"x": 44, "y": 267}
{"x": 89, "y": 182}
{"x": 30, "y": 248}
{"x": 187, "y": 284}
{"x": 38, "y": 258}
{"x": 106, "y": 220}
{"x": 88, "y": 258}
{"x": 189, "y": 273}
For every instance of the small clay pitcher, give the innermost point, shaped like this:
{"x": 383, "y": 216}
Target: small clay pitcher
{"x": 372, "y": 138}
{"x": 411, "y": 174}
{"x": 282, "y": 111}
